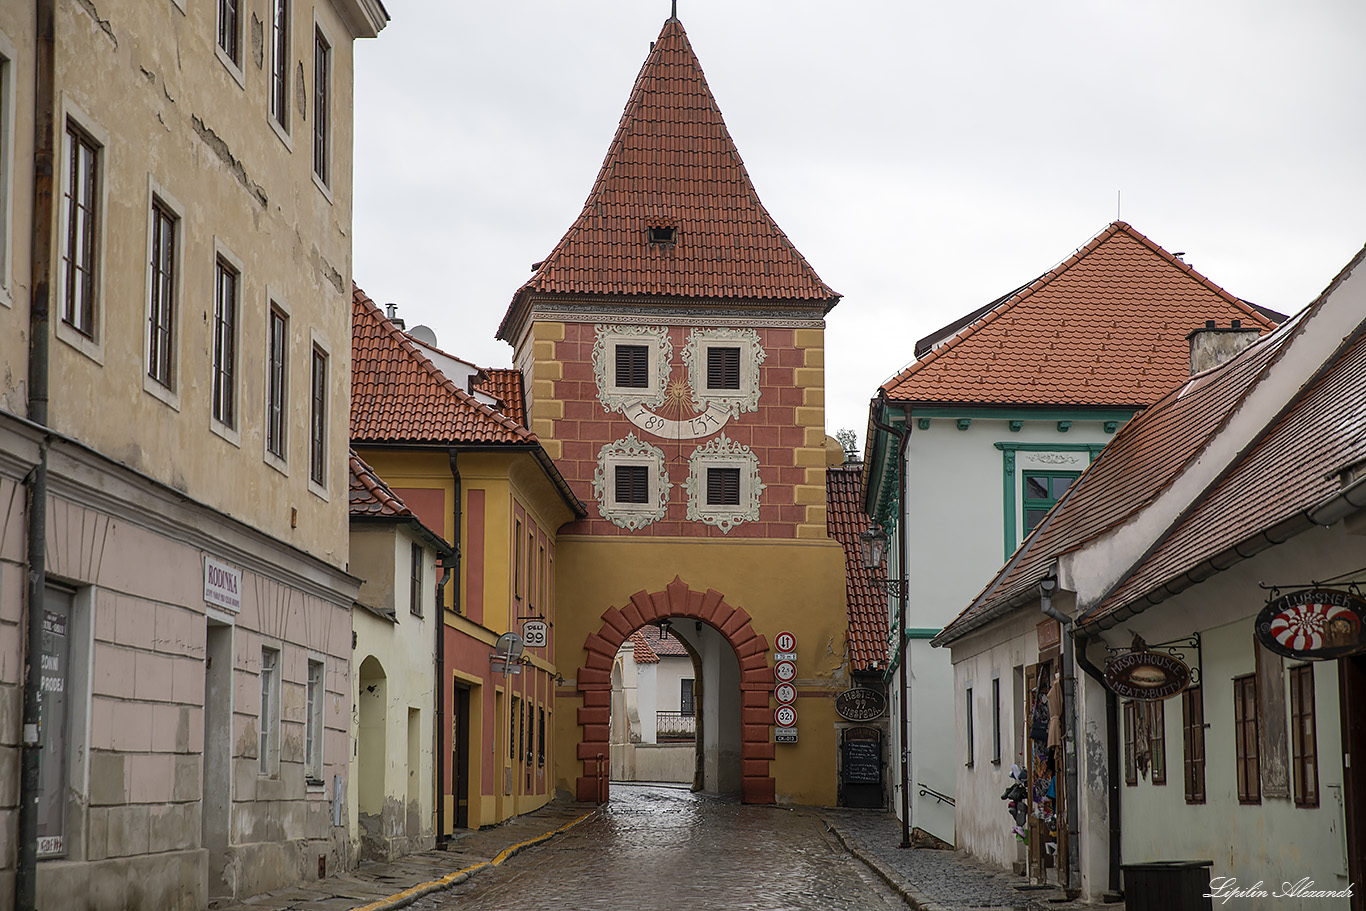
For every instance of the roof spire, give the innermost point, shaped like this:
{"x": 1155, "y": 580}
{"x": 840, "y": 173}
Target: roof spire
{"x": 673, "y": 11}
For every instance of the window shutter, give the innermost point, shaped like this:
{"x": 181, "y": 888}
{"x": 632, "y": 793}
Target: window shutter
{"x": 632, "y": 366}
{"x": 723, "y": 487}
{"x": 723, "y": 368}
{"x": 632, "y": 484}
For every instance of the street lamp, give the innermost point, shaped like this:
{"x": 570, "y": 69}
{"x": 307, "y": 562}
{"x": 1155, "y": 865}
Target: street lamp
{"x": 873, "y": 541}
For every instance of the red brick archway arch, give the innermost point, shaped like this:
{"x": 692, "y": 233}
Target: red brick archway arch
{"x": 756, "y": 680}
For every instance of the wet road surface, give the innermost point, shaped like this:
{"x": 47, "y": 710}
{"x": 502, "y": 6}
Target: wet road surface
{"x": 665, "y": 848}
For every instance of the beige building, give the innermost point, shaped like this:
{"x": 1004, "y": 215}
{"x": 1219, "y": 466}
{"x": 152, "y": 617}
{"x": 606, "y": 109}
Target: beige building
{"x": 175, "y": 333}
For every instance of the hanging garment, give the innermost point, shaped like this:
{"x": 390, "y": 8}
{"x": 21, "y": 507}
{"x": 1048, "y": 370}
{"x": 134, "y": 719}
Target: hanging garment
{"x": 1055, "y": 713}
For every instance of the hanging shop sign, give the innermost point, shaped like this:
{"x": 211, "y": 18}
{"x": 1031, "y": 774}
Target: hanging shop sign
{"x": 1146, "y": 675}
{"x": 860, "y": 704}
{"x": 1049, "y": 633}
{"x": 1314, "y": 623}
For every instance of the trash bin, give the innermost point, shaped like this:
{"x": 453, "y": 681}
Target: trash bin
{"x": 1167, "y": 885}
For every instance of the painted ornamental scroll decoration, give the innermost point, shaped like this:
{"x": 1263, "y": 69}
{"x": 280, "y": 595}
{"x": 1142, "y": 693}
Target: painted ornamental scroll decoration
{"x": 631, "y": 451}
{"x": 722, "y": 452}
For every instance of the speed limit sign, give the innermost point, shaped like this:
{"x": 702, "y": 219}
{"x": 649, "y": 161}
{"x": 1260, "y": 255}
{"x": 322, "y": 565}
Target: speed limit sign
{"x": 785, "y": 716}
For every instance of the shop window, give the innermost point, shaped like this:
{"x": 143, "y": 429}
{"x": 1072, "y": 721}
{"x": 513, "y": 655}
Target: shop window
{"x": 1042, "y": 489}
{"x": 1157, "y": 739}
{"x": 1304, "y": 736}
{"x": 1130, "y": 743}
{"x": 1245, "y": 738}
{"x": 1193, "y": 743}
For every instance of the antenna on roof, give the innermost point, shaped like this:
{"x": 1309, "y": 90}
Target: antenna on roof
{"x": 1118, "y": 194}
{"x": 673, "y": 12}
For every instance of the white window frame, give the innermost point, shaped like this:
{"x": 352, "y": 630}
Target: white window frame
{"x": 314, "y": 719}
{"x": 170, "y": 395}
{"x": 320, "y": 344}
{"x": 659, "y": 353}
{"x": 631, "y": 451}
{"x": 279, "y": 462}
{"x": 733, "y": 401}
{"x": 231, "y": 433}
{"x": 281, "y": 122}
{"x": 71, "y": 114}
{"x": 7, "y": 123}
{"x": 323, "y": 182}
{"x": 235, "y": 69}
{"x": 268, "y": 711}
{"x": 723, "y": 452}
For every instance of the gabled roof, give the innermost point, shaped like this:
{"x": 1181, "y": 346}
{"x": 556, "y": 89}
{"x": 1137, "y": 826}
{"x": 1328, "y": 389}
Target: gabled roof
{"x": 867, "y": 606}
{"x": 643, "y": 653}
{"x": 673, "y": 164}
{"x": 505, "y": 384}
{"x": 1268, "y": 497}
{"x": 373, "y": 500}
{"x": 1137, "y": 465}
{"x": 399, "y": 396}
{"x": 1106, "y": 327}
{"x": 666, "y": 646}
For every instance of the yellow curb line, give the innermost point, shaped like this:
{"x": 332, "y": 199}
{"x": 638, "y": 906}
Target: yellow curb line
{"x": 412, "y": 893}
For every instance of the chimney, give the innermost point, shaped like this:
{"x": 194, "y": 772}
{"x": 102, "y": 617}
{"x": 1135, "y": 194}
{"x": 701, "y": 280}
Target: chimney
{"x": 1213, "y": 345}
{"x": 391, "y": 313}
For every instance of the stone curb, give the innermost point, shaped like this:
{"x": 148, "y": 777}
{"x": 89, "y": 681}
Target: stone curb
{"x": 413, "y": 893}
{"x": 913, "y": 897}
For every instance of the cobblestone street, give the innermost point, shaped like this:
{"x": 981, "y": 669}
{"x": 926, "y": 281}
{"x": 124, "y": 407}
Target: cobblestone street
{"x": 665, "y": 848}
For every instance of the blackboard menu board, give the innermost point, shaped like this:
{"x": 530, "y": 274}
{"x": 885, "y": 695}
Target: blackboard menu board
{"x": 862, "y": 762}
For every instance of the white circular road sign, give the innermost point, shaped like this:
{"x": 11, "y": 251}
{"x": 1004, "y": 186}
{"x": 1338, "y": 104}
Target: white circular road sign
{"x": 785, "y": 671}
{"x": 785, "y": 642}
{"x": 785, "y": 716}
{"x": 785, "y": 693}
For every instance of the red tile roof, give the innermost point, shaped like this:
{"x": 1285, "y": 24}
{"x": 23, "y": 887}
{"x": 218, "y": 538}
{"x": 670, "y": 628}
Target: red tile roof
{"x": 505, "y": 384}
{"x": 663, "y": 646}
{"x": 1143, "y": 458}
{"x": 643, "y": 654}
{"x": 1107, "y": 327}
{"x": 1295, "y": 467}
{"x": 867, "y": 604}
{"x": 371, "y": 498}
{"x": 673, "y": 164}
{"x": 399, "y": 396}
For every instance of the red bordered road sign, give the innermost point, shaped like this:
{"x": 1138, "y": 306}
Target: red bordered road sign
{"x": 785, "y": 716}
{"x": 784, "y": 642}
{"x": 785, "y": 693}
{"x": 785, "y": 671}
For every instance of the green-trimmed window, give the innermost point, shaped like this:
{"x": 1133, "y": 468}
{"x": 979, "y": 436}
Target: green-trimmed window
{"x": 1041, "y": 490}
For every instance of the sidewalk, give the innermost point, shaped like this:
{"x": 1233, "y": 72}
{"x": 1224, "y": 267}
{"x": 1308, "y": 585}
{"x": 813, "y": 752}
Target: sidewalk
{"x": 382, "y": 887}
{"x": 938, "y": 880}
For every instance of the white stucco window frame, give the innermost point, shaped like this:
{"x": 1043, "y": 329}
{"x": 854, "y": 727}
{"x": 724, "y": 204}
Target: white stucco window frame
{"x": 315, "y": 783}
{"x": 170, "y": 396}
{"x": 276, "y": 301}
{"x": 92, "y": 346}
{"x": 7, "y": 57}
{"x": 275, "y": 736}
{"x": 236, "y": 70}
{"x": 284, "y": 131}
{"x": 329, "y": 35}
{"x": 232, "y": 434}
{"x": 734, "y": 401}
{"x": 631, "y": 451}
{"x": 319, "y": 342}
{"x": 659, "y": 351}
{"x": 722, "y": 452}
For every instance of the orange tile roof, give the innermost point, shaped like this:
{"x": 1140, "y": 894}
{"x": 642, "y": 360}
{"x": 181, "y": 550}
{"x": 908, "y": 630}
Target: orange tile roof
{"x": 371, "y": 498}
{"x": 399, "y": 396}
{"x": 643, "y": 654}
{"x": 663, "y": 646}
{"x": 867, "y": 604}
{"x": 1292, "y": 469}
{"x": 1143, "y": 458}
{"x": 505, "y": 384}
{"x": 1106, "y": 327}
{"x": 673, "y": 164}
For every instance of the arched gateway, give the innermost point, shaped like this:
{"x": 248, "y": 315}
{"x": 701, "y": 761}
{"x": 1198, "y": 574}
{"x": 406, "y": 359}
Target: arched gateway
{"x": 756, "y": 680}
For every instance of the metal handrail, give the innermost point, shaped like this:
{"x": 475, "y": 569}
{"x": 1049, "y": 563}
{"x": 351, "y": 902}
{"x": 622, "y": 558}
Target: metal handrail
{"x": 942, "y": 798}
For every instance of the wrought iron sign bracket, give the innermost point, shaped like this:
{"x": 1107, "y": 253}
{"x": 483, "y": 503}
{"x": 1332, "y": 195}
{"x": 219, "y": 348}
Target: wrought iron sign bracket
{"x": 896, "y": 588}
{"x": 1178, "y": 649}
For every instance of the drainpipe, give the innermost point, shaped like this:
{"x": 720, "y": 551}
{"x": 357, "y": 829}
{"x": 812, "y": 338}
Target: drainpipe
{"x": 903, "y": 436}
{"x": 1111, "y": 754}
{"x": 44, "y": 95}
{"x": 1069, "y": 713}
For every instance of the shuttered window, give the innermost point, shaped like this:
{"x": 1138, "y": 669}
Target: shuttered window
{"x": 1245, "y": 738}
{"x": 632, "y": 484}
{"x": 723, "y": 487}
{"x": 723, "y": 368}
{"x": 1304, "y": 736}
{"x": 632, "y": 366}
{"x": 1193, "y": 743}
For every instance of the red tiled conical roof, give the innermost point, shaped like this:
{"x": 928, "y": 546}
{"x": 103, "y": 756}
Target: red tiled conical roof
{"x": 1107, "y": 327}
{"x": 673, "y": 164}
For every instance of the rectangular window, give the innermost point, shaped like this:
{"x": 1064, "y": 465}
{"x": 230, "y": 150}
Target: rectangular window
{"x": 686, "y": 704}
{"x": 80, "y": 199}
{"x": 275, "y": 383}
{"x": 967, "y": 724}
{"x": 1041, "y": 490}
{"x": 268, "y": 731}
{"x": 514, "y": 730}
{"x": 1245, "y": 738}
{"x": 1193, "y": 743}
{"x": 161, "y": 306}
{"x": 996, "y": 719}
{"x": 279, "y": 64}
{"x": 540, "y": 739}
{"x": 632, "y": 483}
{"x": 317, "y": 442}
{"x": 225, "y": 344}
{"x": 723, "y": 487}
{"x": 1157, "y": 739}
{"x": 228, "y": 15}
{"x": 632, "y": 366}
{"x": 1304, "y": 736}
{"x": 6, "y": 131}
{"x": 313, "y": 724}
{"x": 723, "y": 368}
{"x": 517, "y": 559}
{"x": 322, "y": 90}
{"x": 1130, "y": 741}
{"x": 415, "y": 583}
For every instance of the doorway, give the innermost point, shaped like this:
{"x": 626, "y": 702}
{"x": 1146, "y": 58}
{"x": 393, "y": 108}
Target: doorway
{"x": 1352, "y": 699}
{"x": 217, "y": 788}
{"x": 460, "y": 754}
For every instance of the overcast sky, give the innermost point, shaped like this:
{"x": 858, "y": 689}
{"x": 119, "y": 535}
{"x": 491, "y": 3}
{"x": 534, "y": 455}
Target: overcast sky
{"x": 925, "y": 157}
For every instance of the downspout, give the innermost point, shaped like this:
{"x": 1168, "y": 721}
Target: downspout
{"x": 1069, "y": 712}
{"x": 903, "y": 584}
{"x": 1111, "y": 754}
{"x": 44, "y": 95}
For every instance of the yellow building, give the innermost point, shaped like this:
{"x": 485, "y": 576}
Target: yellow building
{"x": 673, "y": 348}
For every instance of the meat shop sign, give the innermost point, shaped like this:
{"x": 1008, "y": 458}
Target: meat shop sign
{"x": 1146, "y": 675}
{"x": 1314, "y": 623}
